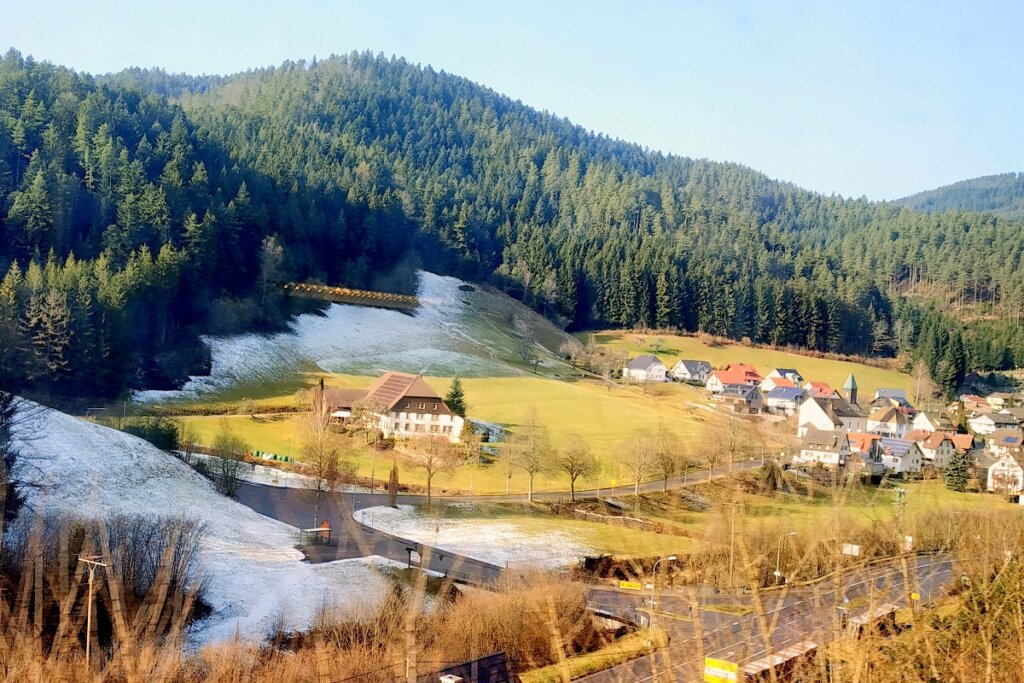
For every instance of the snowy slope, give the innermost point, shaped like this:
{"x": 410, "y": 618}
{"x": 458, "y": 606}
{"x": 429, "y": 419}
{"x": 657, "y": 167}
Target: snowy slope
{"x": 499, "y": 542}
{"x": 452, "y": 332}
{"x": 252, "y": 568}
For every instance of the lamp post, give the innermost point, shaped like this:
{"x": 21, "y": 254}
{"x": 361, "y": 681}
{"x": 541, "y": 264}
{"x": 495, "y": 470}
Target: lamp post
{"x": 654, "y": 579}
{"x": 778, "y": 555}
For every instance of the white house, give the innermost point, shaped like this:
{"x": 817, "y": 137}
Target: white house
{"x": 400, "y": 405}
{"x": 889, "y": 421}
{"x": 645, "y": 369}
{"x": 836, "y": 414}
{"x": 900, "y": 455}
{"x": 787, "y": 373}
{"x": 1006, "y": 476}
{"x": 825, "y": 448}
{"x": 936, "y": 447}
{"x": 1004, "y": 442}
{"x": 987, "y": 423}
{"x": 783, "y": 400}
{"x": 691, "y": 371}
{"x": 931, "y": 422}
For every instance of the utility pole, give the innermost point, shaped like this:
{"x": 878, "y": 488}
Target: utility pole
{"x": 654, "y": 579}
{"x": 900, "y": 506}
{"x": 92, "y": 562}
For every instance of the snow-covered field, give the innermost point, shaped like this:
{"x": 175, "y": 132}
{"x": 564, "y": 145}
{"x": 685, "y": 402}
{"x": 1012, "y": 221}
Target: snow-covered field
{"x": 495, "y": 541}
{"x": 450, "y": 333}
{"x": 253, "y": 570}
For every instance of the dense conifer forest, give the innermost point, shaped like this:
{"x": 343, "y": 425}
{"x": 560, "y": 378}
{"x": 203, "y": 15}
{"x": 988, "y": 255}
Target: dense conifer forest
{"x": 1002, "y": 195}
{"x": 141, "y": 209}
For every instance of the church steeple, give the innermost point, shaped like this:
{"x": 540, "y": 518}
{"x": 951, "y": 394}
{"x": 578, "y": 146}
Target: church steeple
{"x": 850, "y": 389}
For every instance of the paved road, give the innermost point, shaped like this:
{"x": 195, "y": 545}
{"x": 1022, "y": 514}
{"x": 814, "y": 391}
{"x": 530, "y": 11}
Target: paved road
{"x": 791, "y": 616}
{"x": 298, "y": 508}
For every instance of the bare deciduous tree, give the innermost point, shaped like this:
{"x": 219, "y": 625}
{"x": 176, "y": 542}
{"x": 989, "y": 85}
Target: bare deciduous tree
{"x": 576, "y": 460}
{"x": 231, "y": 451}
{"x": 188, "y": 442}
{"x": 640, "y": 455}
{"x": 319, "y": 449}
{"x": 667, "y": 454}
{"x": 433, "y": 455}
{"x": 529, "y": 449}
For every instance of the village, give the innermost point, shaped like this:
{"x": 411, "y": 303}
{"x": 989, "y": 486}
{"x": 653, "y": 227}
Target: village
{"x": 883, "y": 435}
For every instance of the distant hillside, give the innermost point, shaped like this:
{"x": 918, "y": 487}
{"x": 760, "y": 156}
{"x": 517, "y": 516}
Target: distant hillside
{"x": 1001, "y": 195}
{"x": 186, "y": 201}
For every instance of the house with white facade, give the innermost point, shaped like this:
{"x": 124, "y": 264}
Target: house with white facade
{"x": 889, "y": 421}
{"x": 645, "y": 368}
{"x": 783, "y": 400}
{"x": 835, "y": 414}
{"x": 691, "y": 371}
{"x": 1005, "y": 442}
{"x": 786, "y": 373}
{"x": 399, "y": 405}
{"x": 901, "y": 456}
{"x": 826, "y": 448}
{"x": 931, "y": 422}
{"x": 1006, "y": 476}
{"x": 736, "y": 374}
{"x": 936, "y": 447}
{"x": 984, "y": 424}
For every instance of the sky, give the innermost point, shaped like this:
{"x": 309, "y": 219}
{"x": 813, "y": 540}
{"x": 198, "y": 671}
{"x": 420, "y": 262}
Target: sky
{"x": 880, "y": 99}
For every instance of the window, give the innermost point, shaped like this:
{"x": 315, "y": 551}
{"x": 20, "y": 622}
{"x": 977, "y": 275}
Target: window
{"x": 435, "y": 417}
{"x": 419, "y": 428}
{"x": 433, "y": 429}
{"x": 421, "y": 405}
{"x": 435, "y": 406}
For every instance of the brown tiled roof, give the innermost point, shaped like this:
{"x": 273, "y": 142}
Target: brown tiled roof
{"x": 391, "y": 387}
{"x": 343, "y": 398}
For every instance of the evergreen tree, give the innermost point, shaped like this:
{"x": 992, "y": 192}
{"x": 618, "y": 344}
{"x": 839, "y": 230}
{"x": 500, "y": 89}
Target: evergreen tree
{"x": 11, "y": 495}
{"x": 957, "y": 472}
{"x": 455, "y": 399}
{"x": 393, "y": 485}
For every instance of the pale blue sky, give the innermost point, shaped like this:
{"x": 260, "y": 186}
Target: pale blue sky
{"x": 874, "y": 98}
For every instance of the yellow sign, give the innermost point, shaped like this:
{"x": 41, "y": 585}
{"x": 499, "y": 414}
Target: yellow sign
{"x": 631, "y": 585}
{"x": 720, "y": 671}
{"x": 915, "y": 596}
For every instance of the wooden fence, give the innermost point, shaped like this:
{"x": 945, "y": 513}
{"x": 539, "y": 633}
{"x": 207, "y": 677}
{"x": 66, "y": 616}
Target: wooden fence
{"x": 347, "y": 295}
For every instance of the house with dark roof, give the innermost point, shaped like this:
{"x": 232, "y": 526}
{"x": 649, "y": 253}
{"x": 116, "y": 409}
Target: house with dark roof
{"x": 645, "y": 368}
{"x": 900, "y": 455}
{"x": 742, "y": 399}
{"x": 865, "y": 454}
{"x": 889, "y": 421}
{"x": 398, "y": 404}
{"x": 987, "y": 423}
{"x": 691, "y": 371}
{"x": 783, "y": 400}
{"x": 1005, "y": 442}
{"x": 825, "y": 448}
{"x": 829, "y": 414}
{"x": 787, "y": 373}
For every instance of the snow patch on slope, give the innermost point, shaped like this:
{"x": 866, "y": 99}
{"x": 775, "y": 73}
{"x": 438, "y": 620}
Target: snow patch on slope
{"x": 495, "y": 541}
{"x": 441, "y": 338}
{"x": 252, "y": 568}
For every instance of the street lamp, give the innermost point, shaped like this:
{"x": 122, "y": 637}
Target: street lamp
{"x": 778, "y": 555}
{"x": 654, "y": 579}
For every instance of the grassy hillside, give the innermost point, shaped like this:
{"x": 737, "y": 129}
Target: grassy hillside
{"x": 604, "y": 416}
{"x": 673, "y": 348}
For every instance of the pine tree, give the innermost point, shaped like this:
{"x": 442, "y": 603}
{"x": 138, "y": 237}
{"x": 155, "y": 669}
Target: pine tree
{"x": 957, "y": 472}
{"x": 455, "y": 399}
{"x": 11, "y": 496}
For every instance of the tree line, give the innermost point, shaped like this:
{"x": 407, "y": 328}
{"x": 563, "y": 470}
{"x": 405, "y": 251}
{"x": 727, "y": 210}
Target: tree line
{"x": 131, "y": 223}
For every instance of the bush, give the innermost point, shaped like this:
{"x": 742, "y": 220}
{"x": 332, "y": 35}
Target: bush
{"x": 158, "y": 431}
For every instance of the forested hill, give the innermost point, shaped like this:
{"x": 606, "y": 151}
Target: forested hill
{"x": 1002, "y": 195}
{"x": 184, "y": 214}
